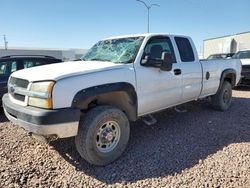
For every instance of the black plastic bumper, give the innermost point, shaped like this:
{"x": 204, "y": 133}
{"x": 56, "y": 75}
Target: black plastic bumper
{"x": 62, "y": 122}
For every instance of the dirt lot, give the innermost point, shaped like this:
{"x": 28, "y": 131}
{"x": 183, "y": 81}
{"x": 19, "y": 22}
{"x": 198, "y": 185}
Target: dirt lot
{"x": 198, "y": 148}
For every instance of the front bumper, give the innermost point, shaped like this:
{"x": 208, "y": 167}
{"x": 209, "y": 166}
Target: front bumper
{"x": 245, "y": 75}
{"x": 60, "y": 122}
{"x": 245, "y": 79}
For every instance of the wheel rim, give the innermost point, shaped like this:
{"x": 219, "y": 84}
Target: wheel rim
{"x": 226, "y": 97}
{"x": 108, "y": 136}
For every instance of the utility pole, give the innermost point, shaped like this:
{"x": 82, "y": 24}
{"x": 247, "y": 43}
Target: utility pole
{"x": 148, "y": 8}
{"x": 5, "y": 42}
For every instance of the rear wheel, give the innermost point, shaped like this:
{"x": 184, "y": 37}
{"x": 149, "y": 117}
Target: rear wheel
{"x": 223, "y": 98}
{"x": 103, "y": 135}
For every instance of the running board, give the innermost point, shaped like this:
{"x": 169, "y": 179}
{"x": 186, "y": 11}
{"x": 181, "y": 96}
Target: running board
{"x": 149, "y": 120}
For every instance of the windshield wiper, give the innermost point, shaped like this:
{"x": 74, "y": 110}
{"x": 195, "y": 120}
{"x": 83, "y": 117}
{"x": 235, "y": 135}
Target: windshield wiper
{"x": 96, "y": 59}
{"x": 123, "y": 62}
{"x": 78, "y": 60}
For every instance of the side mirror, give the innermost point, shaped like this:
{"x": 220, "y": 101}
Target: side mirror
{"x": 148, "y": 62}
{"x": 167, "y": 61}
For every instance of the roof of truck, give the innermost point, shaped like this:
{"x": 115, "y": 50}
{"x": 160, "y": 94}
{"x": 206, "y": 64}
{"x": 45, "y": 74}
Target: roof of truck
{"x": 143, "y": 35}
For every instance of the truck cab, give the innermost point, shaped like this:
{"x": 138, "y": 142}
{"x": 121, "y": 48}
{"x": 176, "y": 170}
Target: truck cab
{"x": 171, "y": 88}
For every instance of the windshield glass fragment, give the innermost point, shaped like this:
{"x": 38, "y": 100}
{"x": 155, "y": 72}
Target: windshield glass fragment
{"x": 123, "y": 50}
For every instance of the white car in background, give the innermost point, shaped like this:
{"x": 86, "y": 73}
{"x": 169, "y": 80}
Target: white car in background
{"x": 244, "y": 57}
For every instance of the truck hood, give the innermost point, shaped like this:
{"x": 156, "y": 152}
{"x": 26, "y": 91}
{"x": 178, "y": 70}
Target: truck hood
{"x": 63, "y": 70}
{"x": 245, "y": 61}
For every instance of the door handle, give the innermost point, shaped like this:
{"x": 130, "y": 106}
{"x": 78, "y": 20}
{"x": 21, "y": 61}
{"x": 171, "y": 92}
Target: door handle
{"x": 177, "y": 71}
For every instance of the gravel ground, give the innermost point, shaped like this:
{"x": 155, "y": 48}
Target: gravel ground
{"x": 198, "y": 148}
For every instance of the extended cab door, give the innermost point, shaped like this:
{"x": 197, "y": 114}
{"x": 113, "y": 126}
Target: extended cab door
{"x": 157, "y": 89}
{"x": 189, "y": 68}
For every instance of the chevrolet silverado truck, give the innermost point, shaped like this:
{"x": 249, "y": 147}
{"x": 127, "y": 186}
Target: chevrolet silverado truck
{"x": 119, "y": 80}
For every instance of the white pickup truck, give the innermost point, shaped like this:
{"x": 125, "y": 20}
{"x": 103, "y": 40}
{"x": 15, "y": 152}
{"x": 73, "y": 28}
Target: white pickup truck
{"x": 119, "y": 80}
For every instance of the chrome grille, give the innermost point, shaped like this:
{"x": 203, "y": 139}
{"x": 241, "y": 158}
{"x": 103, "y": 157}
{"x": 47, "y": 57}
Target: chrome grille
{"x": 246, "y": 68}
{"x": 19, "y": 82}
{"x": 15, "y": 83}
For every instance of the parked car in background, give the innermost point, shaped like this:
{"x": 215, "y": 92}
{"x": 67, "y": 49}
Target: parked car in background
{"x": 10, "y": 64}
{"x": 244, "y": 57}
{"x": 221, "y": 56}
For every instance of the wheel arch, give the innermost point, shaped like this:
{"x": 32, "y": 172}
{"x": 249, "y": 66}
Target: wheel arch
{"x": 228, "y": 75}
{"x": 121, "y": 95}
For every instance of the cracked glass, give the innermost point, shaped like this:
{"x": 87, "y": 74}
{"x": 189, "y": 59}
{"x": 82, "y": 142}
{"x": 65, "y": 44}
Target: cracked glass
{"x": 122, "y": 50}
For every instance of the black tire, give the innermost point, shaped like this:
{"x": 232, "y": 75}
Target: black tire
{"x": 89, "y": 128}
{"x": 223, "y": 98}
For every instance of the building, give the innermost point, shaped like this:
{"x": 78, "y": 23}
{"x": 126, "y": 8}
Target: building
{"x": 226, "y": 44}
{"x": 64, "y": 54}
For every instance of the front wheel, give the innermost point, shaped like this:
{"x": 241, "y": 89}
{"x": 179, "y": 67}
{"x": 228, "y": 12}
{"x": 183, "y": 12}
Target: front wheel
{"x": 223, "y": 98}
{"x": 103, "y": 135}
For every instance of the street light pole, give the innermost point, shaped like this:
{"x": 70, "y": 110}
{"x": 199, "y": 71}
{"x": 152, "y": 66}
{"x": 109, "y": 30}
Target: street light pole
{"x": 148, "y": 8}
{"x": 5, "y": 42}
{"x": 148, "y": 19}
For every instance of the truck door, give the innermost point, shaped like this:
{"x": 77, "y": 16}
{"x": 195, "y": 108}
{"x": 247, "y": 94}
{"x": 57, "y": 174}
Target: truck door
{"x": 157, "y": 89}
{"x": 190, "y": 69}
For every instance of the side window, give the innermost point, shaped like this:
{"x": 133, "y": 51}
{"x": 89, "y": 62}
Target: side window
{"x": 40, "y": 62}
{"x": 13, "y": 66}
{"x": 27, "y": 63}
{"x": 185, "y": 49}
{"x": 7, "y": 67}
{"x": 3, "y": 68}
{"x": 33, "y": 63}
{"x": 156, "y": 46}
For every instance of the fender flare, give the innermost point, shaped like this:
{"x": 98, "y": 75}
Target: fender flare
{"x": 225, "y": 74}
{"x": 85, "y": 96}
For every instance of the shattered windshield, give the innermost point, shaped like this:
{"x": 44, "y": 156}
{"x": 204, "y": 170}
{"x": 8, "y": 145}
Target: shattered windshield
{"x": 123, "y": 50}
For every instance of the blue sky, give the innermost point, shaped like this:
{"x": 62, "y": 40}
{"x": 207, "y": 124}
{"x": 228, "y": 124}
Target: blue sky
{"x": 80, "y": 23}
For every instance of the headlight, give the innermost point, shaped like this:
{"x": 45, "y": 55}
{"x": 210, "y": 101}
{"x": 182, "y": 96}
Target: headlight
{"x": 40, "y": 94}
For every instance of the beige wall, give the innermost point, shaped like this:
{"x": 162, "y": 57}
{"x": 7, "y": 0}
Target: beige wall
{"x": 226, "y": 44}
{"x": 243, "y": 41}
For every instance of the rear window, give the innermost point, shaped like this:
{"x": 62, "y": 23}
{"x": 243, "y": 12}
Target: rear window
{"x": 185, "y": 49}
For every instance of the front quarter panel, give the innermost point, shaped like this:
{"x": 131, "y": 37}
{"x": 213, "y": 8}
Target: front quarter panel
{"x": 65, "y": 89}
